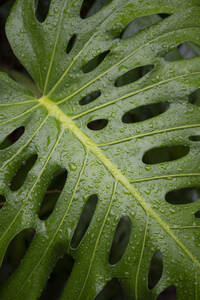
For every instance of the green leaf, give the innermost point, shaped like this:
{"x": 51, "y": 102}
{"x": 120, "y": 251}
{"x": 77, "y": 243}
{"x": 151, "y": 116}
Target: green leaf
{"x": 129, "y": 141}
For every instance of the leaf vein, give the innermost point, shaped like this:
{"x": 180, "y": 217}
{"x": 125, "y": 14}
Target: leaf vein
{"x": 116, "y": 173}
{"x": 159, "y": 131}
{"x": 134, "y": 93}
{"x": 60, "y": 224}
{"x": 34, "y": 185}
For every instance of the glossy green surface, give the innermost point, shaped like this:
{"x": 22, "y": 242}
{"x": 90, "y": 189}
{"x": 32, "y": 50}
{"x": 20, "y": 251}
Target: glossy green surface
{"x": 107, "y": 162}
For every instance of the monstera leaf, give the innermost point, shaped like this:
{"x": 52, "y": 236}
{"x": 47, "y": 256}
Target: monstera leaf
{"x": 101, "y": 165}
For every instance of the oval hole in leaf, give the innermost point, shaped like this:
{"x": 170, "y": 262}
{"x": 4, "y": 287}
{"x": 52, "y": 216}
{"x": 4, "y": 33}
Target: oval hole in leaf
{"x": 58, "y": 278}
{"x": 183, "y": 196}
{"x": 84, "y": 221}
{"x": 184, "y": 50}
{"x": 194, "y": 98}
{"x": 133, "y": 75}
{"x": 165, "y": 154}
{"x": 15, "y": 253}
{"x": 12, "y": 138}
{"x": 2, "y": 201}
{"x": 71, "y": 43}
{"x": 155, "y": 270}
{"x": 89, "y": 98}
{"x": 189, "y": 50}
{"x": 120, "y": 240}
{"x": 91, "y": 7}
{"x": 164, "y": 16}
{"x": 197, "y": 214}
{"x": 139, "y": 24}
{"x": 42, "y": 9}
{"x": 169, "y": 293}
{"x": 112, "y": 291}
{"x": 20, "y": 177}
{"x": 95, "y": 62}
{"x": 52, "y": 194}
{"x": 144, "y": 112}
{"x": 97, "y": 124}
{"x": 195, "y": 138}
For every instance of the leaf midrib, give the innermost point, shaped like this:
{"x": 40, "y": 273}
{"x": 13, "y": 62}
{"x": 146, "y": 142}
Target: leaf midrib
{"x": 90, "y": 145}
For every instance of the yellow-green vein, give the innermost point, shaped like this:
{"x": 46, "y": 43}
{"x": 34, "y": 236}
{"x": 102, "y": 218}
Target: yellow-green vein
{"x": 17, "y": 103}
{"x": 79, "y": 54}
{"x": 196, "y": 286}
{"x": 55, "y": 111}
{"x": 26, "y": 144}
{"x": 97, "y": 240}
{"x": 185, "y": 227}
{"x": 114, "y": 66}
{"x": 134, "y": 93}
{"x": 55, "y": 46}
{"x": 141, "y": 256}
{"x": 34, "y": 185}
{"x": 165, "y": 177}
{"x": 60, "y": 224}
{"x": 149, "y": 134}
{"x": 20, "y": 115}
